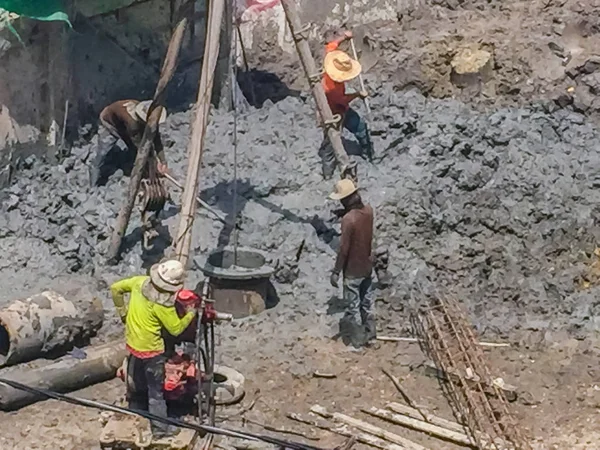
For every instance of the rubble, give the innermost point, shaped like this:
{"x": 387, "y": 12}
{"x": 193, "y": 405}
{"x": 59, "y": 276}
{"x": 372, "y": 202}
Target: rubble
{"x": 501, "y": 203}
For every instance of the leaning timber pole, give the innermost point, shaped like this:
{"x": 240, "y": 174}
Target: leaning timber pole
{"x": 183, "y": 241}
{"x": 330, "y": 122}
{"x": 154, "y": 113}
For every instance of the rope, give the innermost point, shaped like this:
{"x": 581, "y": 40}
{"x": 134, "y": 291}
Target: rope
{"x": 178, "y": 423}
{"x": 233, "y": 72}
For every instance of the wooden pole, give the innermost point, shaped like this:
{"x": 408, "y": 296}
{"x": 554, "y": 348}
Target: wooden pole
{"x": 419, "y": 425}
{"x": 405, "y": 396}
{"x": 299, "y": 33}
{"x": 183, "y": 241}
{"x": 399, "y": 408}
{"x": 344, "y": 430}
{"x": 154, "y": 113}
{"x": 368, "y": 428}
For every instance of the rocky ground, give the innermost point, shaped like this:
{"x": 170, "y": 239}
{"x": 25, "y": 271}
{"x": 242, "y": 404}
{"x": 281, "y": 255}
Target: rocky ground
{"x": 496, "y": 206}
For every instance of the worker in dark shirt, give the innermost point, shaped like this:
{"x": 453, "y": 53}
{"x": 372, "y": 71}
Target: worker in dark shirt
{"x": 124, "y": 120}
{"x": 355, "y": 260}
{"x": 339, "y": 68}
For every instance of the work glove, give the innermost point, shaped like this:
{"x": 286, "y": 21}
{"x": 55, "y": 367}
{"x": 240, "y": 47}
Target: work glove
{"x": 334, "y": 279}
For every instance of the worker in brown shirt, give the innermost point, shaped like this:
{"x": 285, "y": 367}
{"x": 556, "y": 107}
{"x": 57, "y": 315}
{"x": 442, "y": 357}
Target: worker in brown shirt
{"x": 124, "y": 120}
{"x": 355, "y": 260}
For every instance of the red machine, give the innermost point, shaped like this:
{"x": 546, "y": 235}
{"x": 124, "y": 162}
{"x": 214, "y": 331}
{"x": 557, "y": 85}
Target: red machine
{"x": 188, "y": 383}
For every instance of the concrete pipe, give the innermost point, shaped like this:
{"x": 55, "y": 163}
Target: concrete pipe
{"x": 47, "y": 324}
{"x": 65, "y": 375}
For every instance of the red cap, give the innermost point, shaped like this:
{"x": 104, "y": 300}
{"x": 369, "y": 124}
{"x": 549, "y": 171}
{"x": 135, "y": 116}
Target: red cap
{"x": 187, "y": 297}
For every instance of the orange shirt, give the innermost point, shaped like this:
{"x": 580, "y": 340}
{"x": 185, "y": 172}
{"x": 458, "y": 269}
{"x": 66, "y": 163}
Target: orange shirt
{"x": 338, "y": 101}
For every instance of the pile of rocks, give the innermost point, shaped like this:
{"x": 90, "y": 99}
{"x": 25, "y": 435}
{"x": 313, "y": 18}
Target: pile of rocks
{"x": 495, "y": 207}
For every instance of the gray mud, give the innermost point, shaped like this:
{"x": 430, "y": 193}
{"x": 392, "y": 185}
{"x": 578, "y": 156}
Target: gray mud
{"x": 498, "y": 208}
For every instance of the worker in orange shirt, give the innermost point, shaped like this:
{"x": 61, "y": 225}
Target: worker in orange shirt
{"x": 340, "y": 68}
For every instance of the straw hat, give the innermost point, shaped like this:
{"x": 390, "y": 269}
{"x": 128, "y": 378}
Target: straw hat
{"x": 166, "y": 279}
{"x": 141, "y": 111}
{"x": 343, "y": 188}
{"x": 340, "y": 67}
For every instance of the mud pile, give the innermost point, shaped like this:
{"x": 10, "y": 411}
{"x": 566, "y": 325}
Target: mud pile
{"x": 496, "y": 207}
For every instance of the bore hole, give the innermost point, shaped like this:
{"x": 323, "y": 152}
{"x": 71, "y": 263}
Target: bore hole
{"x": 4, "y": 343}
{"x": 225, "y": 259}
{"x": 219, "y": 378}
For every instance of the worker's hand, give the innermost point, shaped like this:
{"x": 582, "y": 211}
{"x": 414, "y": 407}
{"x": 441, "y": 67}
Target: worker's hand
{"x": 333, "y": 279}
{"x": 348, "y": 35}
{"x": 162, "y": 169}
{"x": 363, "y": 94}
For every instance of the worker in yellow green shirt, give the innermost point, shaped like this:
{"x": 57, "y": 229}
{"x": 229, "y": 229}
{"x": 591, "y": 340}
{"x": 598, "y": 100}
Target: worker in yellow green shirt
{"x": 151, "y": 309}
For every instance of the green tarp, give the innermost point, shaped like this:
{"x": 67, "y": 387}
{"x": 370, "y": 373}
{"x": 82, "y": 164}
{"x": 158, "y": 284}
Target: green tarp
{"x": 47, "y": 10}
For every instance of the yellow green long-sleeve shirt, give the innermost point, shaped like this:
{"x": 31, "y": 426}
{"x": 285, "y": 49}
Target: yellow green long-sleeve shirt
{"x": 144, "y": 318}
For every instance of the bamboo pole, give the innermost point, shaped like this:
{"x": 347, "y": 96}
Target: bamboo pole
{"x": 345, "y": 431}
{"x": 368, "y": 428}
{"x": 415, "y": 414}
{"x": 154, "y": 113}
{"x": 183, "y": 241}
{"x": 347, "y": 167}
{"x": 420, "y": 425}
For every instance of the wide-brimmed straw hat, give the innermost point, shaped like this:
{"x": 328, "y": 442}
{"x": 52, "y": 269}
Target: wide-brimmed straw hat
{"x": 343, "y": 188}
{"x": 166, "y": 279}
{"x": 141, "y": 110}
{"x": 340, "y": 67}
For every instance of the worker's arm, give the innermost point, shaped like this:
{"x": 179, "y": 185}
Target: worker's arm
{"x": 333, "y": 45}
{"x": 355, "y": 95}
{"x": 118, "y": 291}
{"x": 347, "y": 229}
{"x": 170, "y": 320}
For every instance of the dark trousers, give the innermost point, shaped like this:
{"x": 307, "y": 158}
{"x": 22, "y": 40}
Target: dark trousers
{"x": 145, "y": 381}
{"x": 358, "y": 324}
{"x": 355, "y": 124}
{"x": 107, "y": 138}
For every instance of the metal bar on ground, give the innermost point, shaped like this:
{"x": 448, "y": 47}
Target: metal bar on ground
{"x": 183, "y": 241}
{"x": 347, "y": 167}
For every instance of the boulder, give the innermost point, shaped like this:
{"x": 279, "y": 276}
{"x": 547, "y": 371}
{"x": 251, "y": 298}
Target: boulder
{"x": 471, "y": 66}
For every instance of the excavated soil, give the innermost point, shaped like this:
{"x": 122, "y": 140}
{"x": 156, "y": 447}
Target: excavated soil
{"x": 496, "y": 206}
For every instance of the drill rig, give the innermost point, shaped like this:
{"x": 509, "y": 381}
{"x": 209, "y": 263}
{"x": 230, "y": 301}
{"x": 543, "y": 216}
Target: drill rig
{"x": 189, "y": 386}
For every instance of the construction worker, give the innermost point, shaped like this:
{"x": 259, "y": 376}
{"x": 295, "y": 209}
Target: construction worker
{"x": 151, "y": 308}
{"x": 339, "y": 68}
{"x": 124, "y": 120}
{"x": 355, "y": 260}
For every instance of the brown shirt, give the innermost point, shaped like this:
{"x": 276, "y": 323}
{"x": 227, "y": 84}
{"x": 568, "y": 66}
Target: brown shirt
{"x": 116, "y": 118}
{"x": 354, "y": 256}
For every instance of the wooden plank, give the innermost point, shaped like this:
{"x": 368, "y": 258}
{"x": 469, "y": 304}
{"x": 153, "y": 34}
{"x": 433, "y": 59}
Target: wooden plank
{"x": 411, "y": 412}
{"x": 420, "y": 425}
{"x": 344, "y": 430}
{"x": 368, "y": 428}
